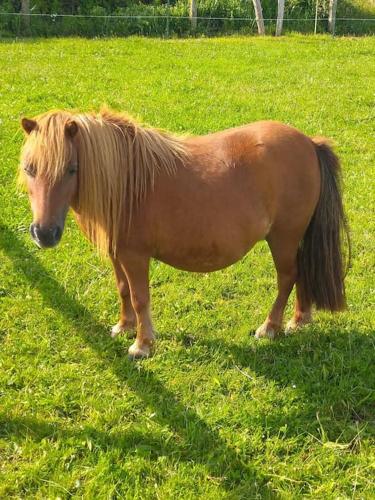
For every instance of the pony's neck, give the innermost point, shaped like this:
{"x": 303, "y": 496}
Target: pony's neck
{"x": 142, "y": 151}
{"x": 118, "y": 163}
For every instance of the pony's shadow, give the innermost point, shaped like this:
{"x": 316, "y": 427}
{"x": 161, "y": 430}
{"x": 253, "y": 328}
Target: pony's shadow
{"x": 196, "y": 443}
{"x": 331, "y": 372}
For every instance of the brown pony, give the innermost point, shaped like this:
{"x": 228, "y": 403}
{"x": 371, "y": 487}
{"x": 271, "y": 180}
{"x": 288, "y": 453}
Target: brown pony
{"x": 197, "y": 203}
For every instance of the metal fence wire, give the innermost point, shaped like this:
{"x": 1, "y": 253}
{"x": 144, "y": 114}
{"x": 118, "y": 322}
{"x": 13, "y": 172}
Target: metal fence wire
{"x": 165, "y": 25}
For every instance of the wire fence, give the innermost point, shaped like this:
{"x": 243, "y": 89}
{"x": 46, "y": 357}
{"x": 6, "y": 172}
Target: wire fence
{"x": 165, "y": 25}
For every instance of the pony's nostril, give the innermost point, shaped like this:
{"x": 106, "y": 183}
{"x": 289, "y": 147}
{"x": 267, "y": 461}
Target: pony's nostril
{"x": 57, "y": 233}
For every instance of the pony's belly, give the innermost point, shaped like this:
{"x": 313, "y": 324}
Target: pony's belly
{"x": 202, "y": 260}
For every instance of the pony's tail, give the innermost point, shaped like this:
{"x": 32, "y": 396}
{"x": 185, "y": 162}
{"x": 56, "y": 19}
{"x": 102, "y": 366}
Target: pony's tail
{"x": 322, "y": 263}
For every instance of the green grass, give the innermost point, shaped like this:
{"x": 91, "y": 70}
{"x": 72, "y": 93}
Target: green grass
{"x": 214, "y": 414}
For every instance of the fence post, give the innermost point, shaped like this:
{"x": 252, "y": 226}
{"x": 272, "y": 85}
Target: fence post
{"x": 193, "y": 14}
{"x": 259, "y": 16}
{"x": 316, "y": 16}
{"x": 332, "y": 16}
{"x": 168, "y": 13}
{"x": 25, "y": 17}
{"x": 280, "y": 17}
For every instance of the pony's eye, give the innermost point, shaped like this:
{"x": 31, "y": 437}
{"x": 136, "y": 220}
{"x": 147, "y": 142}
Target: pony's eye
{"x": 30, "y": 171}
{"x": 72, "y": 169}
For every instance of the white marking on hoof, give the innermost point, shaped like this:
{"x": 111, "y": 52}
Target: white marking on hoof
{"x": 137, "y": 352}
{"x": 128, "y": 327}
{"x": 265, "y": 331}
{"x": 290, "y": 327}
{"x": 294, "y": 324}
{"x": 116, "y": 330}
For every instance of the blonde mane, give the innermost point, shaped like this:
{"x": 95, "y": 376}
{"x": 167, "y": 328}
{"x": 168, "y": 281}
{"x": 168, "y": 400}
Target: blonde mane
{"x": 118, "y": 163}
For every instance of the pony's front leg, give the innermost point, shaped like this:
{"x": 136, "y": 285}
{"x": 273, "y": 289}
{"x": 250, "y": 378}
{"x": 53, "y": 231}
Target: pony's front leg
{"x": 127, "y": 315}
{"x": 136, "y": 268}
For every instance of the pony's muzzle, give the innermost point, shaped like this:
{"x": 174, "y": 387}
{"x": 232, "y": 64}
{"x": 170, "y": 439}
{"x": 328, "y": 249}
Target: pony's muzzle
{"x": 46, "y": 237}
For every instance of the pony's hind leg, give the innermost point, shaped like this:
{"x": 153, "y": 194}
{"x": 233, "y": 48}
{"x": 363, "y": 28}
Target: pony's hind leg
{"x": 127, "y": 320}
{"x": 284, "y": 253}
{"x": 302, "y": 311}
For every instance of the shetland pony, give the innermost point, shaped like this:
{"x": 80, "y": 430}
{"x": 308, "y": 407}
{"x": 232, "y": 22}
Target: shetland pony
{"x": 196, "y": 203}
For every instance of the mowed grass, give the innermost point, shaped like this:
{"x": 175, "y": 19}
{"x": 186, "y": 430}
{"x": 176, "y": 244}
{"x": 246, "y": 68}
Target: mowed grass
{"x": 214, "y": 414}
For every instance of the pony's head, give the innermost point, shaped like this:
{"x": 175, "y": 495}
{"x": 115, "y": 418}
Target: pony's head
{"x": 102, "y": 165}
{"x": 49, "y": 169}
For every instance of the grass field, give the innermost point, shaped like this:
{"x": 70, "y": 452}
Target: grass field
{"x": 214, "y": 414}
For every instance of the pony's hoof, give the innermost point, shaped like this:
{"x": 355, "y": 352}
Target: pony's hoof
{"x": 266, "y": 331}
{"x": 291, "y": 327}
{"x": 296, "y": 323}
{"x": 137, "y": 352}
{"x": 120, "y": 327}
{"x": 116, "y": 330}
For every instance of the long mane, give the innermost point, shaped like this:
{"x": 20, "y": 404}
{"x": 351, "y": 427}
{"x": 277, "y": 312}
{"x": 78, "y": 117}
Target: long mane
{"x": 118, "y": 163}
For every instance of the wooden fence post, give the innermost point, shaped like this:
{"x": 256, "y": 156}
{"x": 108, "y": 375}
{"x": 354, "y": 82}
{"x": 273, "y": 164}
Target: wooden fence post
{"x": 25, "y": 17}
{"x": 316, "y": 17}
{"x": 280, "y": 17}
{"x": 259, "y": 16}
{"x": 193, "y": 14}
{"x": 332, "y": 16}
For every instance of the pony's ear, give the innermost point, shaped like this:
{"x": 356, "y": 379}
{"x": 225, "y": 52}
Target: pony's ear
{"x": 28, "y": 125}
{"x": 71, "y": 128}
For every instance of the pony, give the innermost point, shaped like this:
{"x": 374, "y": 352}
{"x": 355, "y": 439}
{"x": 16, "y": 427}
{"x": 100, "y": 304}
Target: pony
{"x": 196, "y": 203}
